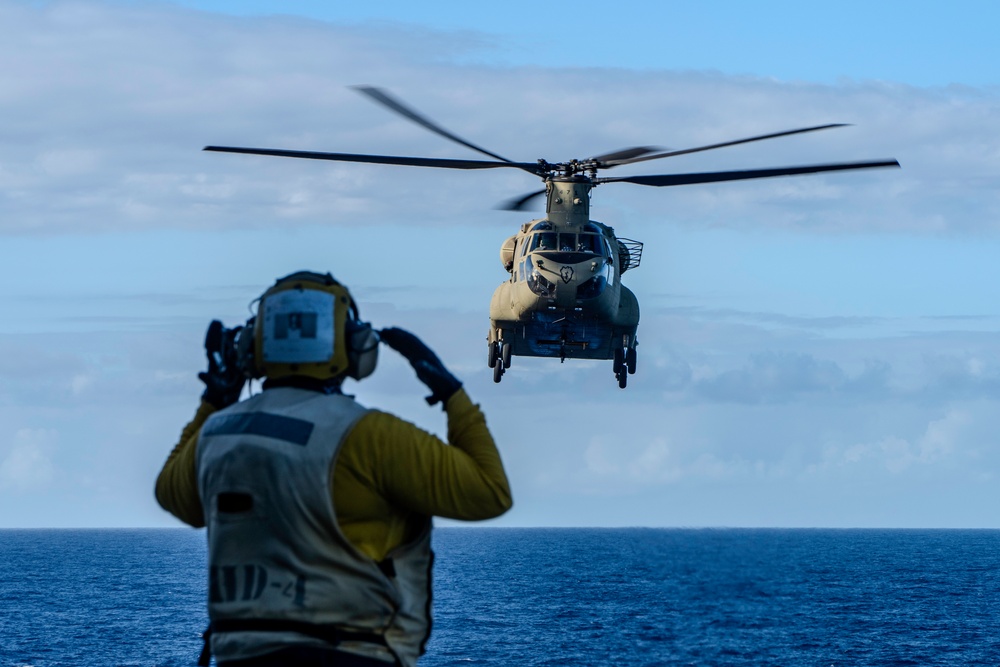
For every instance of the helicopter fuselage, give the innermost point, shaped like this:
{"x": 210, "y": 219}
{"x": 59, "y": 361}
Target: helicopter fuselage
{"x": 564, "y": 297}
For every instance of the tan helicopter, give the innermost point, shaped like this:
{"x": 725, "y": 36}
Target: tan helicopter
{"x": 565, "y": 297}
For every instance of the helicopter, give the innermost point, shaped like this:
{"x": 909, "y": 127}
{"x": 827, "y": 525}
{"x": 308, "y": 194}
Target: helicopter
{"x": 564, "y": 297}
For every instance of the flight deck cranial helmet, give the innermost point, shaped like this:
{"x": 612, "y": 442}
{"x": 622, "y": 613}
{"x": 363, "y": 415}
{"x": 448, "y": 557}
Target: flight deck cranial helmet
{"x": 307, "y": 324}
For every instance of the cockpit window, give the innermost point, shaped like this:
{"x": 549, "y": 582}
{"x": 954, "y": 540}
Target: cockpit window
{"x": 568, "y": 247}
{"x": 544, "y": 241}
{"x": 543, "y": 226}
{"x": 589, "y": 243}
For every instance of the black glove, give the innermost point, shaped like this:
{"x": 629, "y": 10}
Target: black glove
{"x": 429, "y": 368}
{"x": 223, "y": 381}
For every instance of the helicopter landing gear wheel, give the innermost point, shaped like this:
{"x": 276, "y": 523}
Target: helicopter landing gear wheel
{"x": 621, "y": 366}
{"x": 491, "y": 358}
{"x": 505, "y": 355}
{"x": 498, "y": 371}
{"x": 630, "y": 357}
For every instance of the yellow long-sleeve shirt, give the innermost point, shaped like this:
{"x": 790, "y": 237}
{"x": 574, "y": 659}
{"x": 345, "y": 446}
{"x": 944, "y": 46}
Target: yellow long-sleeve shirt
{"x": 388, "y": 475}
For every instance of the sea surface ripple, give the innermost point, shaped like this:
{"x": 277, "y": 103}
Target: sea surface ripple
{"x": 569, "y": 597}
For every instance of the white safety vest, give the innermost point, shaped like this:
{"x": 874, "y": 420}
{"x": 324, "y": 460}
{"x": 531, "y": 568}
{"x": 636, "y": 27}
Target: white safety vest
{"x": 281, "y": 572}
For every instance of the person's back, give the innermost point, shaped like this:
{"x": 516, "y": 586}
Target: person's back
{"x": 318, "y": 510}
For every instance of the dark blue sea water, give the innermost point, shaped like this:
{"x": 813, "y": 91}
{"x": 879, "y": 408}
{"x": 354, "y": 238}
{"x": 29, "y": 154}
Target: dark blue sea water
{"x": 553, "y": 597}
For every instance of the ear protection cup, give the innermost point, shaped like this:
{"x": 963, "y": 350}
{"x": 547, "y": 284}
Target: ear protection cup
{"x": 245, "y": 351}
{"x": 362, "y": 346}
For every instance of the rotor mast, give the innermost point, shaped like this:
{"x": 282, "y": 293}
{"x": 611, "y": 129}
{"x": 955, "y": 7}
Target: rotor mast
{"x": 567, "y": 199}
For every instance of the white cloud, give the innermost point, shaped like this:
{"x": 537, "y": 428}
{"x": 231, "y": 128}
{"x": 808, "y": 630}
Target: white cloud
{"x": 945, "y": 441}
{"x": 26, "y": 462}
{"x": 80, "y": 383}
{"x": 622, "y": 467}
{"x": 107, "y": 106}
{"x": 943, "y": 437}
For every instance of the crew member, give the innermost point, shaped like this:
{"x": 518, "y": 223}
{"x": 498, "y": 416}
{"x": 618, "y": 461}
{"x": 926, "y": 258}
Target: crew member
{"x": 318, "y": 509}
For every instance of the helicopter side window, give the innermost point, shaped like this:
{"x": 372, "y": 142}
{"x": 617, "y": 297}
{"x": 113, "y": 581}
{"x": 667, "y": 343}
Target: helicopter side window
{"x": 544, "y": 241}
{"x": 537, "y": 283}
{"x": 513, "y": 261}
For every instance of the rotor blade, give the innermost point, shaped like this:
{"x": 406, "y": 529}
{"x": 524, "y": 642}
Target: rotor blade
{"x": 385, "y": 99}
{"x": 664, "y": 180}
{"x": 520, "y": 203}
{"x": 643, "y": 158}
{"x": 379, "y": 159}
{"x": 624, "y": 154}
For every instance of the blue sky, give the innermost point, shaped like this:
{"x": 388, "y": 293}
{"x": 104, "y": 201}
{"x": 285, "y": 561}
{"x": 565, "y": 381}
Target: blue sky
{"x": 918, "y": 43}
{"x": 817, "y": 351}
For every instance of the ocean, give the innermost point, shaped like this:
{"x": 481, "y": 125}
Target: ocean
{"x": 568, "y": 597}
